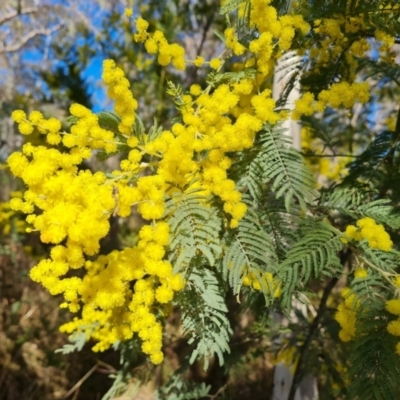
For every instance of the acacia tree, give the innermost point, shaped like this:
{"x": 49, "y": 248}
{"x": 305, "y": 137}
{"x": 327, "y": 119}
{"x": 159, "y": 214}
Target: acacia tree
{"x": 233, "y": 209}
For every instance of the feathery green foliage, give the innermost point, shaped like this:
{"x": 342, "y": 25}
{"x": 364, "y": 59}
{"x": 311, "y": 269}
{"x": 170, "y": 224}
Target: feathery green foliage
{"x": 375, "y": 367}
{"x": 194, "y": 229}
{"x": 204, "y": 318}
{"x": 182, "y": 389}
{"x": 248, "y": 250}
{"x": 280, "y": 165}
{"x": 315, "y": 255}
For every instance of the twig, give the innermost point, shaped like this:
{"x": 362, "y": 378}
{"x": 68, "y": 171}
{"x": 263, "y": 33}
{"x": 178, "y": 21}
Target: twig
{"x": 80, "y": 382}
{"x": 218, "y": 392}
{"x": 14, "y": 14}
{"x": 384, "y": 274}
{"x": 298, "y": 374}
{"x": 329, "y": 155}
{"x": 31, "y": 35}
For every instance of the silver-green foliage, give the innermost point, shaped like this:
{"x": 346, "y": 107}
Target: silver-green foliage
{"x": 178, "y": 388}
{"x": 204, "y": 316}
{"x": 315, "y": 255}
{"x": 249, "y": 249}
{"x": 374, "y": 366}
{"x": 356, "y": 204}
{"x": 194, "y": 229}
{"x": 280, "y": 165}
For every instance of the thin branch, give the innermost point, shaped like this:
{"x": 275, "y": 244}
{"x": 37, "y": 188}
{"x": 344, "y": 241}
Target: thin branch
{"x": 31, "y": 35}
{"x": 80, "y": 382}
{"x": 384, "y": 274}
{"x": 328, "y": 155}
{"x": 298, "y": 374}
{"x": 13, "y": 14}
{"x": 87, "y": 22}
{"x": 204, "y": 35}
{"x": 218, "y": 392}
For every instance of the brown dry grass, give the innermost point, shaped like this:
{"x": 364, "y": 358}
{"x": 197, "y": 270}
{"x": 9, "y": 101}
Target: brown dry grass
{"x": 29, "y": 321}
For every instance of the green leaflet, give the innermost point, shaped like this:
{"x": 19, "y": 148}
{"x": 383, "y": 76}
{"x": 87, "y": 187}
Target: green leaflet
{"x": 194, "y": 229}
{"x": 282, "y": 166}
{"x": 354, "y": 204}
{"x": 248, "y": 249}
{"x": 375, "y": 367}
{"x": 77, "y": 340}
{"x": 281, "y": 226}
{"x": 313, "y": 256}
{"x": 369, "y": 166}
{"x": 178, "y": 388}
{"x": 388, "y": 261}
{"x": 204, "y": 318}
{"x": 216, "y": 78}
{"x": 230, "y": 6}
{"x": 109, "y": 120}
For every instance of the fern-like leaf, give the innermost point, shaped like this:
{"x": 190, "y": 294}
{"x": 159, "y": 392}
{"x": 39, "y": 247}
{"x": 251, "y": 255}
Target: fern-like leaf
{"x": 194, "y": 227}
{"x": 178, "y": 388}
{"x": 249, "y": 249}
{"x": 204, "y": 318}
{"x": 77, "y": 341}
{"x": 282, "y": 166}
{"x": 355, "y": 204}
{"x": 375, "y": 367}
{"x": 315, "y": 254}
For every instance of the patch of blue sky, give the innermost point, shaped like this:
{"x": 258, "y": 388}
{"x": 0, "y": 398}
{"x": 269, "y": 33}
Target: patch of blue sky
{"x": 96, "y": 90}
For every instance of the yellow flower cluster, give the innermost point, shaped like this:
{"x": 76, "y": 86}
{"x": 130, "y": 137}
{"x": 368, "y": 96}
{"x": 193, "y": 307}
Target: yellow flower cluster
{"x": 265, "y": 18}
{"x": 51, "y": 127}
{"x": 342, "y": 94}
{"x": 232, "y": 42}
{"x": 9, "y": 219}
{"x": 272, "y": 284}
{"x": 288, "y": 355}
{"x": 141, "y": 28}
{"x": 386, "y": 41}
{"x": 199, "y": 61}
{"x": 337, "y": 36}
{"x": 71, "y": 206}
{"x": 121, "y": 292}
{"x": 86, "y": 132}
{"x": 369, "y": 230}
{"x": 346, "y": 315}
{"x": 360, "y": 273}
{"x": 215, "y": 63}
{"x": 157, "y": 43}
{"x": 75, "y": 205}
{"x": 119, "y": 90}
{"x": 226, "y": 119}
{"x": 276, "y": 34}
{"x": 208, "y": 130}
{"x": 334, "y": 38}
{"x": 393, "y": 307}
